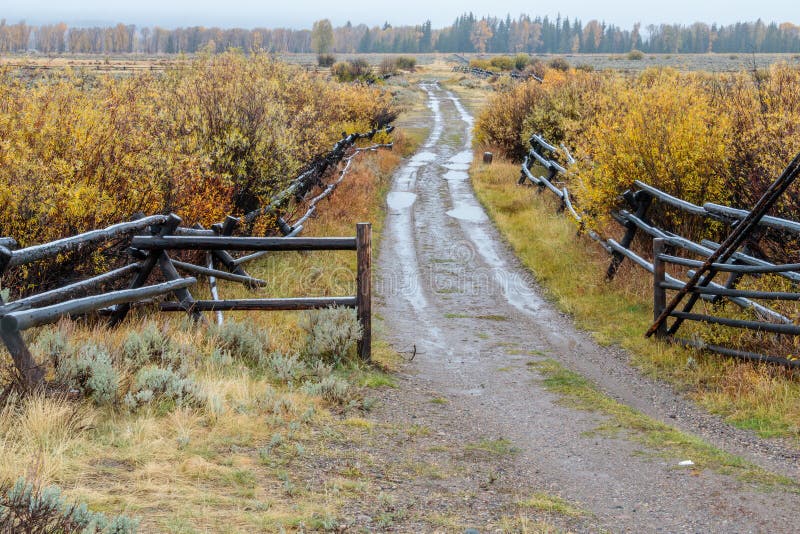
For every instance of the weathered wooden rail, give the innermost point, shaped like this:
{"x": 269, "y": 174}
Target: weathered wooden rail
{"x": 152, "y": 238}
{"x": 361, "y": 244}
{"x": 484, "y": 74}
{"x": 313, "y": 175}
{"x": 50, "y": 306}
{"x": 738, "y": 264}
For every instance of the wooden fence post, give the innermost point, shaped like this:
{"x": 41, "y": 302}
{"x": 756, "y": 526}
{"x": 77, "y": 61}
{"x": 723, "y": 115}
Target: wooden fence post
{"x": 183, "y": 295}
{"x": 212, "y": 280}
{"x": 642, "y": 201}
{"x": 28, "y": 369}
{"x": 364, "y": 288}
{"x": 150, "y": 262}
{"x": 223, "y": 256}
{"x": 659, "y": 277}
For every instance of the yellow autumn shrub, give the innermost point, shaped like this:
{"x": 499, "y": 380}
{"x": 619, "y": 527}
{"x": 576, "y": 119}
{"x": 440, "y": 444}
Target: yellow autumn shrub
{"x": 701, "y": 137}
{"x": 211, "y": 136}
{"x": 660, "y": 128}
{"x": 500, "y": 123}
{"x": 764, "y": 109}
{"x": 555, "y": 108}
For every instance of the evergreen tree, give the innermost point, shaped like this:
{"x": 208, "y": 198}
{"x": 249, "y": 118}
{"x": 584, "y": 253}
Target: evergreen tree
{"x": 365, "y": 45}
{"x": 426, "y": 39}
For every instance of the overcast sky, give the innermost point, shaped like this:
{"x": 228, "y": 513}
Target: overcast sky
{"x": 302, "y": 13}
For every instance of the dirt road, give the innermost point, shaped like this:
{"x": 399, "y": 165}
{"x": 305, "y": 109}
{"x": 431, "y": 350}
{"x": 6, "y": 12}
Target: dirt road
{"x": 448, "y": 285}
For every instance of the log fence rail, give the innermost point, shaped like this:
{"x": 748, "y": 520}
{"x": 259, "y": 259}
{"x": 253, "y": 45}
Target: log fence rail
{"x": 642, "y": 199}
{"x": 485, "y": 74}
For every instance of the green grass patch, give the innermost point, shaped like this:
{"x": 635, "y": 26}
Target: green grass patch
{"x": 377, "y": 379}
{"x": 578, "y": 392}
{"x": 497, "y": 447}
{"x": 551, "y": 504}
{"x": 492, "y": 317}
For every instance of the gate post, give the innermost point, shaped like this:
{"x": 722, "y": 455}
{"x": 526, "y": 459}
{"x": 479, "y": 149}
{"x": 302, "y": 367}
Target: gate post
{"x": 29, "y": 371}
{"x": 659, "y": 276}
{"x": 364, "y": 288}
{"x": 642, "y": 200}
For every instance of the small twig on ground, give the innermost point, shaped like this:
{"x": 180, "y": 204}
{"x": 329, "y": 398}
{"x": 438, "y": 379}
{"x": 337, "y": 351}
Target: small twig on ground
{"x": 413, "y": 352}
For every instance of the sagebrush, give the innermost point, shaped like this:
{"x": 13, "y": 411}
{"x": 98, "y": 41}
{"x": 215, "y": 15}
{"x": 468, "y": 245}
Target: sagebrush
{"x": 24, "y": 507}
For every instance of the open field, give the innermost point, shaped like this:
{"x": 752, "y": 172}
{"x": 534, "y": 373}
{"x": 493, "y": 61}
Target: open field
{"x": 681, "y": 62}
{"x": 127, "y": 64}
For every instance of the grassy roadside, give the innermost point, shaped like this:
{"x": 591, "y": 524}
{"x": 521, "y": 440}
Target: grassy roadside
{"x": 762, "y": 398}
{"x": 578, "y": 392}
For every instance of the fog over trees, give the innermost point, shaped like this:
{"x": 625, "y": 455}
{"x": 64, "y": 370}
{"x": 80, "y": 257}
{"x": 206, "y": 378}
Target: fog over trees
{"x": 467, "y": 34}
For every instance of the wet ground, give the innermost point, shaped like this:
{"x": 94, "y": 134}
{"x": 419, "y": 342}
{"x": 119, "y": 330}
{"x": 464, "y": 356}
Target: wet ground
{"x": 450, "y": 291}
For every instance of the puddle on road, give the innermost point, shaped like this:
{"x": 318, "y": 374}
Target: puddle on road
{"x": 468, "y": 213}
{"x": 457, "y": 175}
{"x": 421, "y": 158}
{"x": 456, "y": 166}
{"x": 406, "y": 179}
{"x": 465, "y": 116}
{"x": 467, "y": 209}
{"x": 438, "y": 122}
{"x": 459, "y": 162}
{"x": 465, "y": 156}
{"x": 517, "y": 292}
{"x": 405, "y": 279}
{"x": 399, "y": 200}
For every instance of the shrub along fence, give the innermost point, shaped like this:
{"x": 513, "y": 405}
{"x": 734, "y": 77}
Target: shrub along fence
{"x": 733, "y": 256}
{"x": 150, "y": 238}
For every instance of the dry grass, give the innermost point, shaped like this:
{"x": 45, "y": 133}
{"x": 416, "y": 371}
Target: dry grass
{"x": 38, "y": 435}
{"x": 763, "y": 398}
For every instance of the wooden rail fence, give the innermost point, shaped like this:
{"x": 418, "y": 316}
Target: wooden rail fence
{"x": 641, "y": 200}
{"x": 483, "y": 73}
{"x": 151, "y": 238}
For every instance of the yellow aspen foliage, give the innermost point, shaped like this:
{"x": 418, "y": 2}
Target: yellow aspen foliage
{"x": 660, "y": 128}
{"x": 702, "y": 137}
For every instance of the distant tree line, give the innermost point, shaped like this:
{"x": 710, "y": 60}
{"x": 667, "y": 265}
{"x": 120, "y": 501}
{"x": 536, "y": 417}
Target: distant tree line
{"x": 467, "y": 34}
{"x": 562, "y": 35}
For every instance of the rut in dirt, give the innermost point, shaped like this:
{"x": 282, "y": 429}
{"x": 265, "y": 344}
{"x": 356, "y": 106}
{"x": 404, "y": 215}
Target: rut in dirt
{"x": 447, "y": 284}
